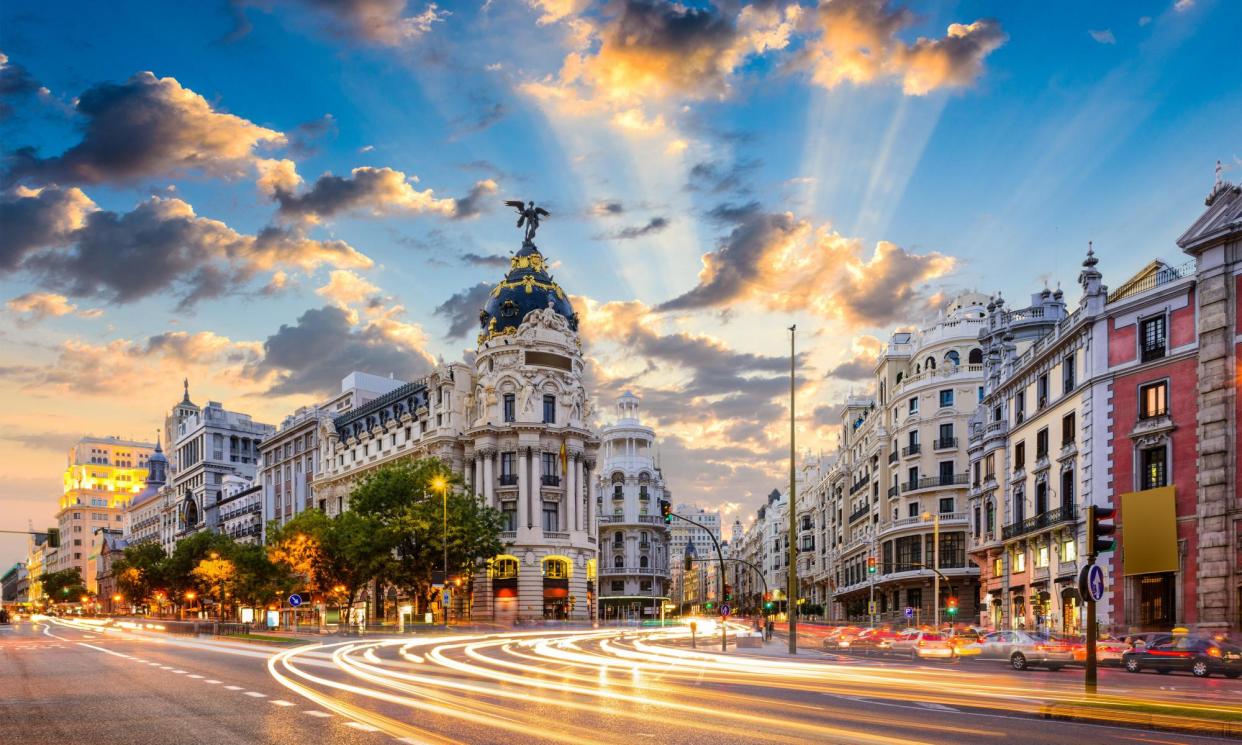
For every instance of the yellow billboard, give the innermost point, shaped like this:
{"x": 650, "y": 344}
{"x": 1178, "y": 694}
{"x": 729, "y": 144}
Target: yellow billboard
{"x": 1149, "y": 531}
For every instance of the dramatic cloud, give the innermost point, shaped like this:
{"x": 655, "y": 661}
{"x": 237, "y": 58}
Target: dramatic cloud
{"x": 39, "y": 218}
{"x": 787, "y": 264}
{"x": 57, "y": 442}
{"x": 462, "y": 310}
{"x": 148, "y": 127}
{"x": 732, "y": 214}
{"x": 491, "y": 260}
{"x": 346, "y": 288}
{"x": 380, "y": 22}
{"x": 652, "y": 50}
{"x": 1103, "y": 37}
{"x": 715, "y": 178}
{"x": 373, "y": 191}
{"x": 654, "y": 225}
{"x": 160, "y": 246}
{"x": 552, "y": 11}
{"x": 325, "y": 345}
{"x": 34, "y": 307}
{"x": 858, "y": 43}
{"x": 607, "y": 208}
{"x": 15, "y": 83}
{"x": 861, "y": 365}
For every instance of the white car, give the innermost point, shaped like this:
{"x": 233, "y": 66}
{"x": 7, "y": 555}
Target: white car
{"x": 923, "y": 645}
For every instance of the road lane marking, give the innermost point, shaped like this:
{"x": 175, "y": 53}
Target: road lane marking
{"x": 320, "y": 714}
{"x": 932, "y": 705}
{"x": 280, "y": 702}
{"x": 196, "y": 677}
{"x": 212, "y": 681}
{"x": 256, "y": 694}
{"x": 233, "y": 688}
{"x": 363, "y": 727}
{"x": 179, "y": 672}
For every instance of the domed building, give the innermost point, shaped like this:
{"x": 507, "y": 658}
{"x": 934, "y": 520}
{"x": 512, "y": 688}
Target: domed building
{"x": 514, "y": 422}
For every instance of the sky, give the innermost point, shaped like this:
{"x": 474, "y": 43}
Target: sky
{"x": 262, "y": 195}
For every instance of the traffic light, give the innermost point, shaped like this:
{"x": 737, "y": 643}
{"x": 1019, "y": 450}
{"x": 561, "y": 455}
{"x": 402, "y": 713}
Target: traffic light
{"x": 950, "y": 606}
{"x": 666, "y": 511}
{"x": 870, "y": 565}
{"x": 768, "y": 605}
{"x": 709, "y": 605}
{"x": 1099, "y": 532}
{"x": 728, "y": 593}
{"x": 53, "y": 537}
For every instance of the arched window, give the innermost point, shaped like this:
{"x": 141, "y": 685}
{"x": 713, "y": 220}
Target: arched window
{"x": 504, "y": 567}
{"x": 555, "y": 568}
{"x": 618, "y": 561}
{"x": 953, "y": 358}
{"x": 975, "y": 357}
{"x": 643, "y": 562}
{"x": 930, "y": 364}
{"x": 899, "y": 376}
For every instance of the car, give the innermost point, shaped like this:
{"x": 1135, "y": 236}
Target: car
{"x": 874, "y": 641}
{"x": 1025, "y": 649}
{"x": 842, "y": 638}
{"x": 1137, "y": 641}
{"x": 966, "y": 643}
{"x": 1202, "y": 656}
{"x": 923, "y": 645}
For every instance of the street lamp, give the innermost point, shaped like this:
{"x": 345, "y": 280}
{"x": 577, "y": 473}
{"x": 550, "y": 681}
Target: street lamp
{"x": 935, "y": 562}
{"x": 440, "y": 484}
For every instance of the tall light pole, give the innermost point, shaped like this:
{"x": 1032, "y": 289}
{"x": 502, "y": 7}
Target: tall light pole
{"x": 935, "y": 563}
{"x": 440, "y": 483}
{"x": 791, "y": 599}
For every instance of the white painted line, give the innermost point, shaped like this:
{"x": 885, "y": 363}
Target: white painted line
{"x": 156, "y": 664}
{"x": 179, "y": 672}
{"x": 196, "y": 677}
{"x": 165, "y": 667}
{"x": 278, "y": 702}
{"x": 233, "y": 688}
{"x": 212, "y": 681}
{"x": 256, "y": 694}
{"x": 363, "y": 727}
{"x": 937, "y": 707}
{"x": 320, "y": 714}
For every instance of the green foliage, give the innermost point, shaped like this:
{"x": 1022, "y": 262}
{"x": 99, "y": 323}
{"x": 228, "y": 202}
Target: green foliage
{"x": 407, "y": 500}
{"x": 65, "y": 586}
{"x": 259, "y": 580}
{"x": 141, "y": 571}
{"x": 190, "y": 551}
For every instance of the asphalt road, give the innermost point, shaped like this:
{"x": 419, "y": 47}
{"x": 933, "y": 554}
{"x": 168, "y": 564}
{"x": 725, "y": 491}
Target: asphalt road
{"x": 70, "y": 684}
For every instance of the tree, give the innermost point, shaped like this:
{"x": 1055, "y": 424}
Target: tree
{"x": 65, "y": 586}
{"x": 259, "y": 580}
{"x": 327, "y": 553}
{"x": 141, "y": 571}
{"x": 409, "y": 498}
{"x": 215, "y": 576}
{"x": 186, "y": 557}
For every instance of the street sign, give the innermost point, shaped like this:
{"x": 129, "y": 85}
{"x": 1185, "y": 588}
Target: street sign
{"x": 1091, "y": 582}
{"x": 295, "y": 600}
{"x": 446, "y": 597}
{"x": 725, "y": 610}
{"x": 909, "y": 613}
{"x": 871, "y": 607}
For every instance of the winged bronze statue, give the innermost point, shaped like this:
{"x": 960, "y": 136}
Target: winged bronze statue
{"x": 528, "y": 215}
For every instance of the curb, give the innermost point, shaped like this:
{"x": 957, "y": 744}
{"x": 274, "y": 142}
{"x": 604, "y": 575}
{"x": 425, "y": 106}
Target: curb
{"x": 1142, "y": 720}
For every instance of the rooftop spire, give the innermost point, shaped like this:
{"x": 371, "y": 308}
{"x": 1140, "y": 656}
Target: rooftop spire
{"x": 185, "y": 398}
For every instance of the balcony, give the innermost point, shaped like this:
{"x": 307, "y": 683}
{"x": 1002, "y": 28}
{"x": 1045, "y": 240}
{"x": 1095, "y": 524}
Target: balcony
{"x": 508, "y": 479}
{"x": 945, "y": 443}
{"x": 608, "y": 519}
{"x": 555, "y": 534}
{"x": 929, "y": 482}
{"x": 893, "y": 491}
{"x": 613, "y": 571}
{"x": 508, "y": 535}
{"x": 1065, "y": 513}
{"x": 648, "y": 518}
{"x": 892, "y": 457}
{"x": 909, "y": 450}
{"x": 549, "y": 480}
{"x": 860, "y": 512}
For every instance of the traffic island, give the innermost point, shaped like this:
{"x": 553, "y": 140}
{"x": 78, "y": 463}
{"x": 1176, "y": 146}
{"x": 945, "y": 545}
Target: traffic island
{"x": 1208, "y": 721}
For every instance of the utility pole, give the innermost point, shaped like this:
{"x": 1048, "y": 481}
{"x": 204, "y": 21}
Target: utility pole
{"x": 791, "y": 599}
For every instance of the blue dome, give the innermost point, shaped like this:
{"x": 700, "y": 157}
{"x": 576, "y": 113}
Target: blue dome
{"x": 526, "y": 287}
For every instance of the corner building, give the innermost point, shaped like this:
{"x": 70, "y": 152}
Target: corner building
{"x": 514, "y": 424}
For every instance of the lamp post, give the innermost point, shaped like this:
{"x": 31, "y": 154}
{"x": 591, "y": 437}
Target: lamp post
{"x": 935, "y": 562}
{"x": 441, "y": 484}
{"x": 791, "y": 600}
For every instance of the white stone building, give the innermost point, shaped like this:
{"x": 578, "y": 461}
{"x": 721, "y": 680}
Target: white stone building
{"x": 633, "y": 539}
{"x": 514, "y": 423}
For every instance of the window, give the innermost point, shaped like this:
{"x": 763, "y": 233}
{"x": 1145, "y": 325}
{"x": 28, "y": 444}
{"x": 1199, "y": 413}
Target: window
{"x": 1019, "y": 456}
{"x": 998, "y": 567}
{"x": 1041, "y": 556}
{"x": 1153, "y": 463}
{"x": 978, "y": 522}
{"x": 1019, "y": 561}
{"x": 509, "y": 408}
{"x": 946, "y": 437}
{"x": 549, "y": 409}
{"x": 1042, "y": 387}
{"x": 505, "y": 569}
{"x": 1067, "y": 490}
{"x": 1041, "y": 497}
{"x": 912, "y": 509}
{"x": 506, "y": 464}
{"x": 913, "y": 474}
{"x": 618, "y": 538}
{"x": 1019, "y": 505}
{"x": 551, "y": 517}
{"x": 1154, "y": 400}
{"x": 1041, "y": 443}
{"x": 946, "y": 398}
{"x": 946, "y": 505}
{"x": 953, "y": 358}
{"x": 618, "y": 562}
{"x": 643, "y": 562}
{"x": 555, "y": 569}
{"x": 990, "y": 516}
{"x": 1019, "y": 407}
{"x": 1068, "y": 425}
{"x": 914, "y": 405}
{"x": 1152, "y": 338}
{"x": 1069, "y": 550}
{"x": 1068, "y": 381}
{"x": 549, "y": 462}
{"x": 980, "y": 394}
{"x": 976, "y": 467}
{"x": 946, "y": 473}
{"x": 989, "y": 466}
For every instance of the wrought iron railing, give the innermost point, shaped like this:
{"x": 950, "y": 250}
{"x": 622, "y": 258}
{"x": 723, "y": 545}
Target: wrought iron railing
{"x": 1064, "y": 513}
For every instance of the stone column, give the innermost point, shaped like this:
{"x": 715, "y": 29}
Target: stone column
{"x": 571, "y": 507}
{"x": 489, "y": 479}
{"x": 583, "y": 487}
{"x": 524, "y": 492}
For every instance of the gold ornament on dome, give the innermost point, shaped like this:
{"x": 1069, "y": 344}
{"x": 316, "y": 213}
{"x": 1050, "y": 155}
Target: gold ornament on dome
{"x": 528, "y": 283}
{"x": 533, "y": 262}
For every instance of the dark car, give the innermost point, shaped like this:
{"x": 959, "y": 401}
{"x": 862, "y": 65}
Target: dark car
{"x": 1201, "y": 656}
